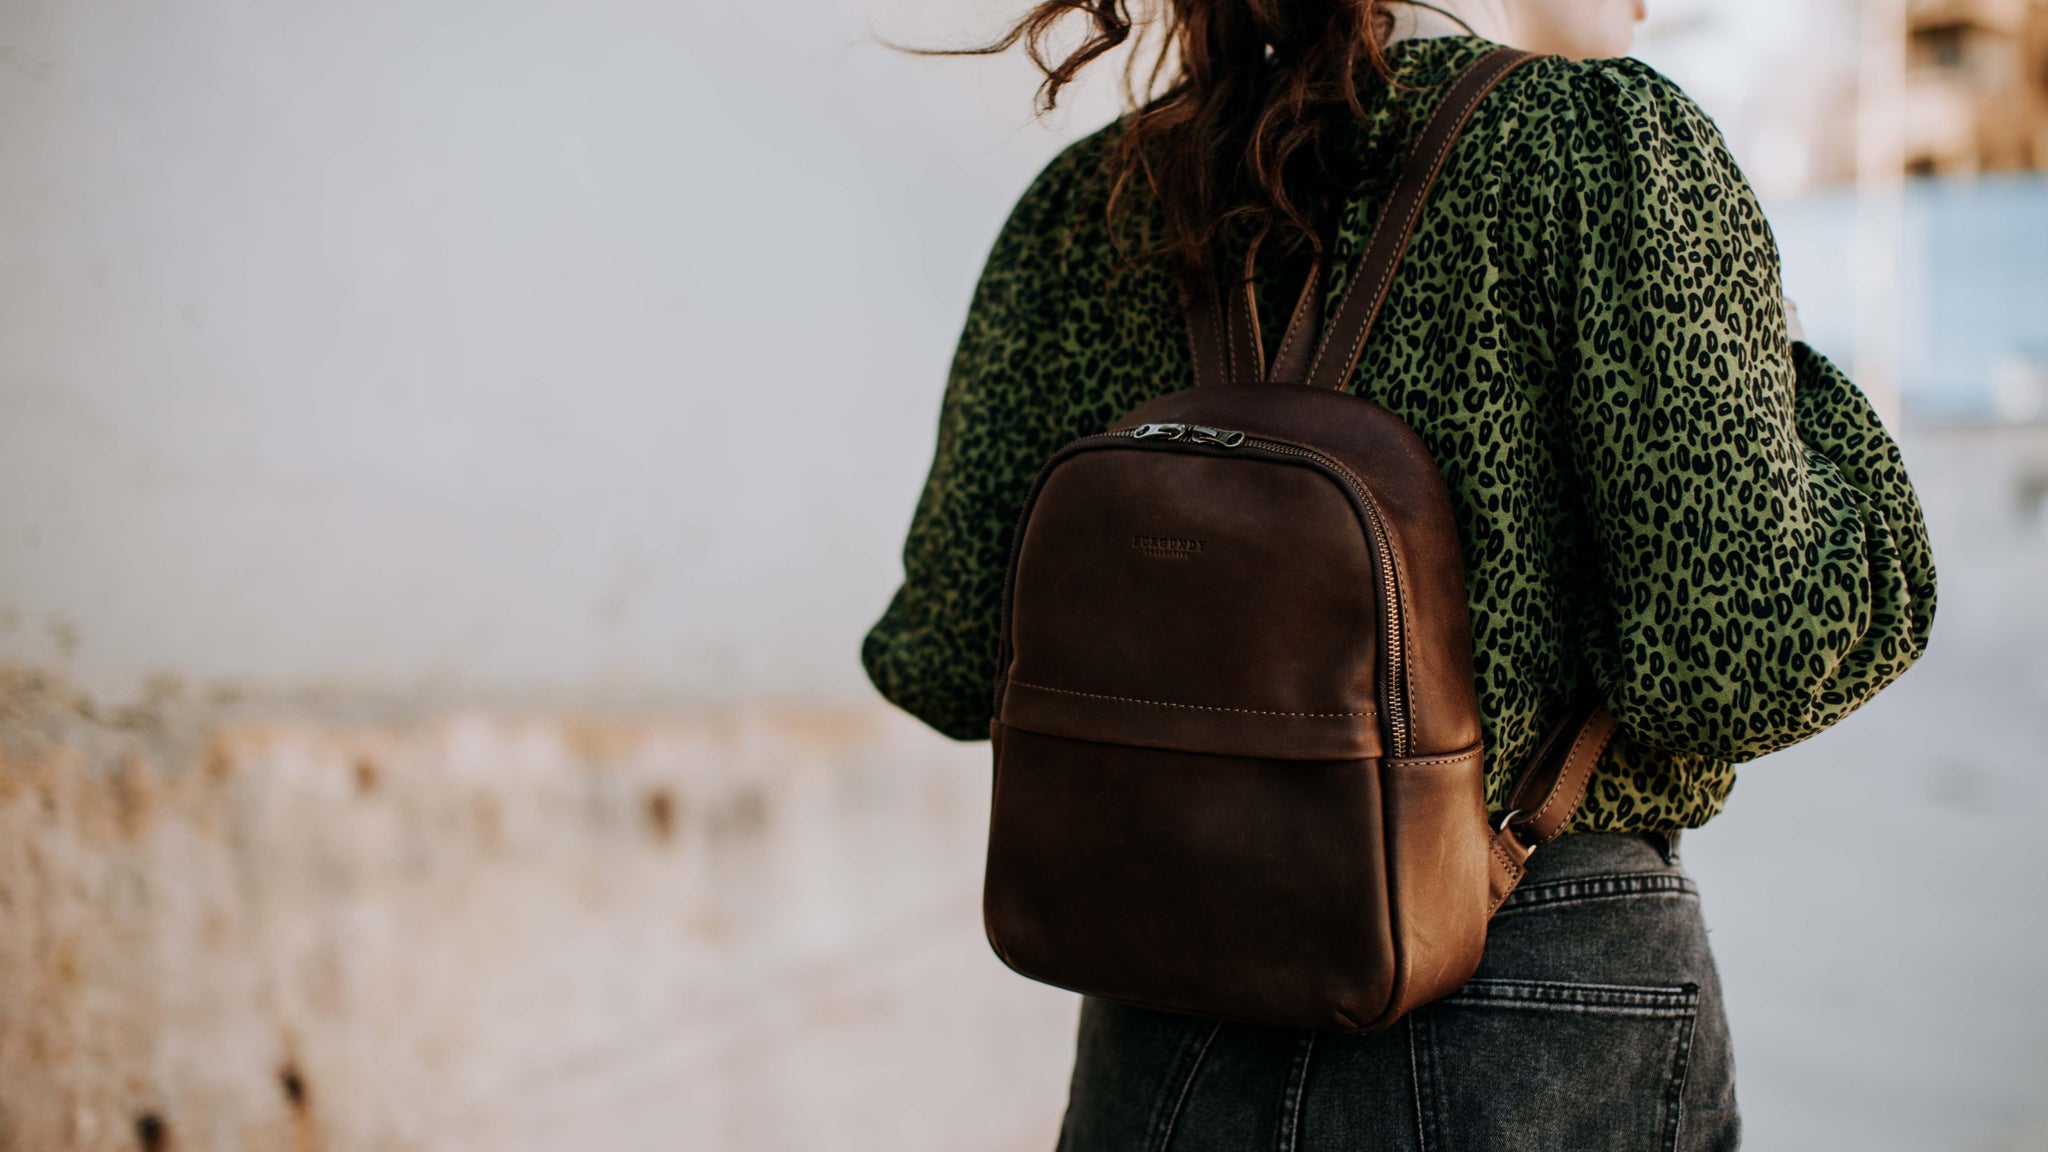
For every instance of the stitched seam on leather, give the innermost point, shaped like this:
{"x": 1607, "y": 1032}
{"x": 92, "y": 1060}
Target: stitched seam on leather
{"x": 1579, "y": 792}
{"x": 1514, "y": 872}
{"x": 1408, "y": 226}
{"x": 1231, "y": 356}
{"x": 1296, "y": 323}
{"x": 1426, "y": 761}
{"x": 1254, "y": 342}
{"x": 1192, "y": 707}
{"x": 1205, "y": 355}
{"x": 1203, "y": 351}
{"x": 1293, "y": 332}
{"x": 1507, "y": 861}
{"x": 1549, "y": 801}
{"x": 1219, "y": 348}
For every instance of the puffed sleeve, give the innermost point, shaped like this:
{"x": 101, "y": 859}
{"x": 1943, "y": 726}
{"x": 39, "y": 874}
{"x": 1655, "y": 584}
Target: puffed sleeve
{"x": 933, "y": 653}
{"x": 1763, "y": 564}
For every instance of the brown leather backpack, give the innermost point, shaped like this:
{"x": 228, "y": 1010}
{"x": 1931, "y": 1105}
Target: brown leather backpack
{"x": 1237, "y": 740}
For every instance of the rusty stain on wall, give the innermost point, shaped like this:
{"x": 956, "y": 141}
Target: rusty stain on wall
{"x": 251, "y": 927}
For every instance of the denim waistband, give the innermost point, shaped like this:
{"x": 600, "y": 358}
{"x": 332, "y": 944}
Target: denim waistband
{"x": 1603, "y": 854}
{"x": 1596, "y": 867}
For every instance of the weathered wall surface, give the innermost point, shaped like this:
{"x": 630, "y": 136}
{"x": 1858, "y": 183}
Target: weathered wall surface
{"x": 499, "y": 931}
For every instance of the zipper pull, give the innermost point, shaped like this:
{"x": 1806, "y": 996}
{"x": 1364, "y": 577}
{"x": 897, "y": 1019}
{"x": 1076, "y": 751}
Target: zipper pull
{"x": 1221, "y": 437}
{"x": 1157, "y": 431}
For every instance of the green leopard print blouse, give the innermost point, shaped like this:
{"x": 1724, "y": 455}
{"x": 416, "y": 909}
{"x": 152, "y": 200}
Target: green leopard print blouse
{"x": 1657, "y": 493}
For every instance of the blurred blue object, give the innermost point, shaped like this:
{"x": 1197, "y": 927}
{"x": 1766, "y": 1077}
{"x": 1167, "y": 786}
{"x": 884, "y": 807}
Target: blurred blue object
{"x": 1974, "y": 270}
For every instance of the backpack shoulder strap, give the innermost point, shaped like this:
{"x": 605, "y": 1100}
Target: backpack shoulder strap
{"x": 1548, "y": 792}
{"x": 1342, "y": 344}
{"x": 1223, "y": 328}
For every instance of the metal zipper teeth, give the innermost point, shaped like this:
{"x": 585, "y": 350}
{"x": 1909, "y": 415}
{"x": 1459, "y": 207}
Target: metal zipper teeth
{"x": 1396, "y": 696}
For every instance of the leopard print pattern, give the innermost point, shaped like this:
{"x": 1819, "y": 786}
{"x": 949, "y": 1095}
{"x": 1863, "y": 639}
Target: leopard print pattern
{"x": 1657, "y": 494}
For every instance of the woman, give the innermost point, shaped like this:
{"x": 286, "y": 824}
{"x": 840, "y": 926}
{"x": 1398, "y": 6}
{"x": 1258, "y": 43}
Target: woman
{"x": 1660, "y": 496}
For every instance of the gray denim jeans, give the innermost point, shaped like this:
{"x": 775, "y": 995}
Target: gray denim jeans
{"x": 1594, "y": 1023}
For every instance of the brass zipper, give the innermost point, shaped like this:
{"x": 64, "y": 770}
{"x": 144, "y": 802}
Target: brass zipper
{"x": 1395, "y": 700}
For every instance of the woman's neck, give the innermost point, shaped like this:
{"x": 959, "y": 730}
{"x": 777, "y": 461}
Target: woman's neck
{"x": 1484, "y": 18}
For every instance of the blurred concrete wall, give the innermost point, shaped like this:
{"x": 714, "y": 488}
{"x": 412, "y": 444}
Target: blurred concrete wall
{"x": 510, "y": 347}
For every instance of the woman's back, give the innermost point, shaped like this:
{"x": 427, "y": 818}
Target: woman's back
{"x": 1658, "y": 494}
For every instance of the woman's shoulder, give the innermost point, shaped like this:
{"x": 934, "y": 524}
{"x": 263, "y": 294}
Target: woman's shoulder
{"x": 1614, "y": 105}
{"x": 1065, "y": 202}
{"x": 1621, "y": 76}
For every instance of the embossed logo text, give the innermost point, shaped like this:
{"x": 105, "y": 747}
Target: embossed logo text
{"x": 1166, "y": 547}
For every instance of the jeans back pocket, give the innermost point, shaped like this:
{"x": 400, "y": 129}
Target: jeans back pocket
{"x": 1506, "y": 1065}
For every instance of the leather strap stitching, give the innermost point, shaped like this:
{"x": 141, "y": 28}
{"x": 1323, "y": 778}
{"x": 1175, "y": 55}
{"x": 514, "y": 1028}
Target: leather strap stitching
{"x": 1483, "y": 75}
{"x": 1564, "y": 780}
{"x": 1306, "y": 306}
{"x": 1231, "y": 356}
{"x": 1203, "y": 336}
{"x": 1514, "y": 873}
{"x": 1254, "y": 340}
{"x": 1559, "y": 784}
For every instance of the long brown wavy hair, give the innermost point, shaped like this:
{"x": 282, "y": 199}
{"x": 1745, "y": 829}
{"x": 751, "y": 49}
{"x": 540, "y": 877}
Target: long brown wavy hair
{"x": 1233, "y": 104}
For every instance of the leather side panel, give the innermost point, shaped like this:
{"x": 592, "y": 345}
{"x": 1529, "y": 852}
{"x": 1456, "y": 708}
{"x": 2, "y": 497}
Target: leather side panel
{"x": 1437, "y": 871}
{"x": 1219, "y": 885}
{"x": 1216, "y": 603}
{"x": 1395, "y": 464}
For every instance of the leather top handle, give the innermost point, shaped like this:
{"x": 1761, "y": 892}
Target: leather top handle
{"x": 1224, "y": 336}
{"x": 1229, "y": 349}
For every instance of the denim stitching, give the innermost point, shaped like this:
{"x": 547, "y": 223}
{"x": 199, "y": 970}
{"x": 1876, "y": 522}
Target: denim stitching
{"x": 1420, "y": 1053}
{"x": 1584, "y": 888}
{"x": 1180, "y": 1058}
{"x": 1187, "y": 1085}
{"x": 1297, "y": 1087}
{"x": 1592, "y": 999}
{"x": 1681, "y": 1063}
